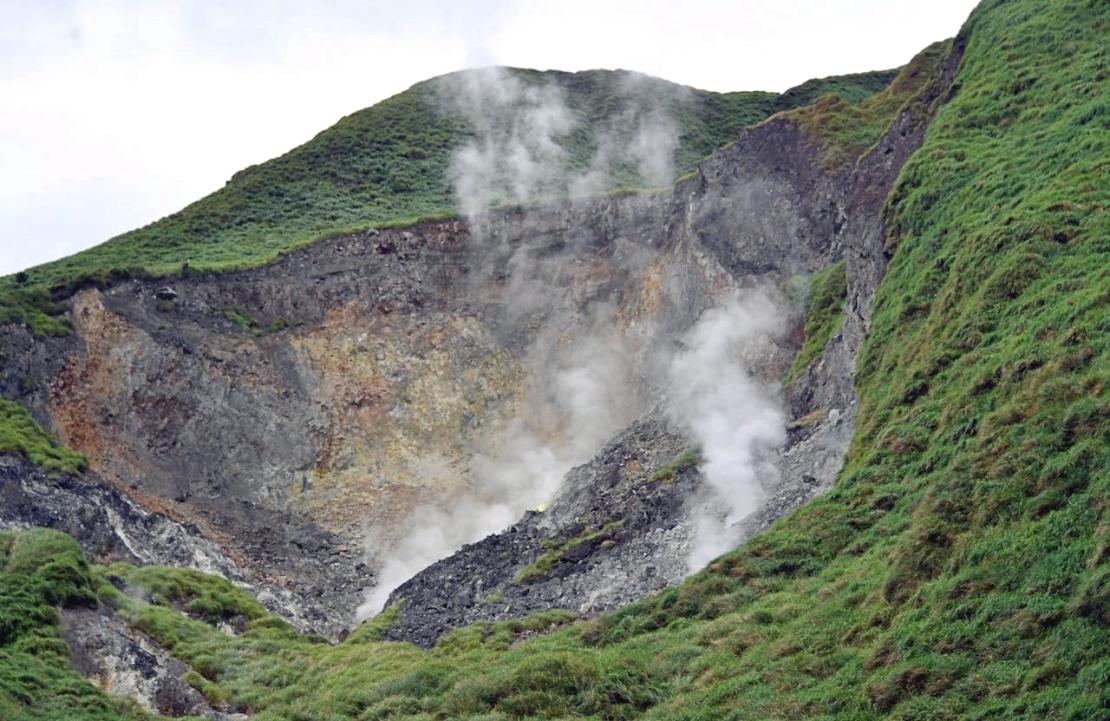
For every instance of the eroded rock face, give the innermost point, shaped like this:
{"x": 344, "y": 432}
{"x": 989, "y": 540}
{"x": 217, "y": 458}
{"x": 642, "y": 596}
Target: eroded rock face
{"x": 286, "y": 414}
{"x": 120, "y": 660}
{"x": 112, "y": 527}
{"x": 613, "y": 535}
{"x": 378, "y": 365}
{"x": 768, "y": 187}
{"x": 623, "y": 527}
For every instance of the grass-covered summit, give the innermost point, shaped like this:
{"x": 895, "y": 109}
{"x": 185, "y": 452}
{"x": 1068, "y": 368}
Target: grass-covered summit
{"x": 390, "y": 163}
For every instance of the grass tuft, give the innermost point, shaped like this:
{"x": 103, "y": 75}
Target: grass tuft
{"x": 828, "y": 292}
{"x": 21, "y": 435}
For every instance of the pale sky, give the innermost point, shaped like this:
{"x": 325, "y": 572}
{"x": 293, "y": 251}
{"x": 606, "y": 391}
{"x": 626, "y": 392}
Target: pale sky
{"x": 114, "y": 113}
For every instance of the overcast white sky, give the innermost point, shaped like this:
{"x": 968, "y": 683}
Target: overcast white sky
{"x": 114, "y": 113}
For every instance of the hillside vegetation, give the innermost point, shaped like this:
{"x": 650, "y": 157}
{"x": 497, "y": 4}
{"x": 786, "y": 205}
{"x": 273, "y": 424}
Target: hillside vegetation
{"x": 387, "y": 164}
{"x": 961, "y": 566}
{"x": 21, "y": 435}
{"x": 845, "y": 131}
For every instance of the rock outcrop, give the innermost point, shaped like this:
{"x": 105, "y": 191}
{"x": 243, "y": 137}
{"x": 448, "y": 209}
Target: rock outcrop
{"x": 112, "y": 527}
{"x": 119, "y": 659}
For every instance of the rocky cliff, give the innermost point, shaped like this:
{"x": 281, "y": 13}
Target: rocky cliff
{"x": 629, "y": 395}
{"x": 308, "y": 419}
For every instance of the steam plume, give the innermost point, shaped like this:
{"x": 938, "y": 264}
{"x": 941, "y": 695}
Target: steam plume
{"x": 515, "y": 155}
{"x": 578, "y": 389}
{"x": 736, "y": 422}
{"x": 577, "y": 397}
{"x": 522, "y": 129}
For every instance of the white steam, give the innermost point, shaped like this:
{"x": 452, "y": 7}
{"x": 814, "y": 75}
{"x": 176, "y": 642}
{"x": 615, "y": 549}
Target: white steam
{"x": 579, "y": 389}
{"x": 731, "y": 415}
{"x": 571, "y": 407}
{"x": 641, "y": 138}
{"x": 434, "y": 529}
{"x": 578, "y": 395}
{"x": 515, "y": 156}
{"x": 522, "y": 129}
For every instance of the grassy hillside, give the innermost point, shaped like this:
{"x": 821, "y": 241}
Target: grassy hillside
{"x": 828, "y": 291}
{"x": 845, "y": 131}
{"x": 961, "y": 566}
{"x": 384, "y": 164}
{"x": 20, "y": 435}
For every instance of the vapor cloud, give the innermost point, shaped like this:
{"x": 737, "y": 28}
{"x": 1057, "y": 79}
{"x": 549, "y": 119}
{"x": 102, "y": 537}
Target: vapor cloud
{"x": 568, "y": 412}
{"x": 516, "y": 155}
{"x": 736, "y": 420}
{"x": 578, "y": 388}
{"x": 578, "y": 395}
{"x": 581, "y": 386}
{"x": 434, "y": 529}
{"x": 521, "y": 131}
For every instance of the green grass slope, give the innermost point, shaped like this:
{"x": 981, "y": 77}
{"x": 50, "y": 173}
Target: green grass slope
{"x": 845, "y": 130}
{"x": 960, "y": 567}
{"x": 389, "y": 163}
{"x": 828, "y": 291}
{"x": 21, "y": 435}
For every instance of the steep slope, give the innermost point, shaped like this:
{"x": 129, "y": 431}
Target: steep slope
{"x": 39, "y": 571}
{"x": 958, "y": 568}
{"x": 391, "y": 162}
{"x": 614, "y": 532}
{"x": 411, "y": 370}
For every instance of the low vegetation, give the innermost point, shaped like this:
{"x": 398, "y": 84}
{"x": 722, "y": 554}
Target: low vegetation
{"x": 20, "y": 435}
{"x": 844, "y": 130}
{"x": 827, "y": 293}
{"x": 689, "y": 458}
{"x": 40, "y": 571}
{"x": 556, "y": 551}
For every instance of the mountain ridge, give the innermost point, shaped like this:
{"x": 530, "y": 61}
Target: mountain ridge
{"x": 262, "y": 211}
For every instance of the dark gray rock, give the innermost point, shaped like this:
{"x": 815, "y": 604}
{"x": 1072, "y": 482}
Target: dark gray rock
{"x": 124, "y": 662}
{"x": 761, "y": 205}
{"x": 612, "y": 536}
{"x": 111, "y": 527}
{"x": 255, "y": 440}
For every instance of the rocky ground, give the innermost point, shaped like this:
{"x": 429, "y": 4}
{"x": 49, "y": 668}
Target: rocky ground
{"x": 622, "y": 527}
{"x": 111, "y": 527}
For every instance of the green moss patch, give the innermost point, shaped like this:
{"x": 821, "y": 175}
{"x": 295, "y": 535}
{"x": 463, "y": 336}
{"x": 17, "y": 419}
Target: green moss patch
{"x": 828, "y": 291}
{"x": 548, "y": 561}
{"x": 21, "y": 435}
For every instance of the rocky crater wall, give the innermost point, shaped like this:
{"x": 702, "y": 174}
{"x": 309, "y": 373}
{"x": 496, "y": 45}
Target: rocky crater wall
{"x": 291, "y": 412}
